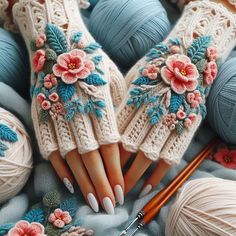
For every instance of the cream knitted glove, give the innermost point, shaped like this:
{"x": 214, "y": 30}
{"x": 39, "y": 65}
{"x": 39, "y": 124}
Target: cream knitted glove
{"x": 166, "y": 100}
{"x": 73, "y": 80}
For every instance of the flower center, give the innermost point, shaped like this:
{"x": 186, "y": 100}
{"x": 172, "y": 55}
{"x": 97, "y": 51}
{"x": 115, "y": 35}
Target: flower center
{"x": 72, "y": 66}
{"x": 227, "y": 159}
{"x": 183, "y": 72}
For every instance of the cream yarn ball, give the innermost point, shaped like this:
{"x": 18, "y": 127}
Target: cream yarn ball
{"x": 17, "y": 162}
{"x": 204, "y": 207}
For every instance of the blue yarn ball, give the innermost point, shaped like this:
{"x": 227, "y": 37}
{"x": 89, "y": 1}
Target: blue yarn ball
{"x": 14, "y": 65}
{"x": 222, "y": 102}
{"x": 127, "y": 29}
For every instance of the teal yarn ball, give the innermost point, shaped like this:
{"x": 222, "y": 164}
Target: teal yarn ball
{"x": 222, "y": 102}
{"x": 14, "y": 65}
{"x": 127, "y": 29}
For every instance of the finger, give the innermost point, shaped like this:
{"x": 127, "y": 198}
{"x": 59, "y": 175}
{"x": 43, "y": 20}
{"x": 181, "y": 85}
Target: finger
{"x": 158, "y": 174}
{"x": 94, "y": 165}
{"x": 82, "y": 178}
{"x": 111, "y": 157}
{"x": 137, "y": 169}
{"x": 124, "y": 155}
{"x": 62, "y": 170}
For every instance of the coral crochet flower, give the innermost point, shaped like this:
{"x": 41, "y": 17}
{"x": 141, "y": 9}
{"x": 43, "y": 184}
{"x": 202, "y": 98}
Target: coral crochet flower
{"x": 59, "y": 218}
{"x": 151, "y": 71}
{"x": 39, "y": 60}
{"x": 24, "y": 228}
{"x": 72, "y": 66}
{"x": 211, "y": 53}
{"x": 49, "y": 81}
{"x": 210, "y": 73}
{"x": 226, "y": 157}
{"x": 194, "y": 99}
{"x": 180, "y": 73}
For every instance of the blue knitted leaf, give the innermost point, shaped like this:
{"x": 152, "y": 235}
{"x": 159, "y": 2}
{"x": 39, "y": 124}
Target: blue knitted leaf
{"x": 98, "y": 113}
{"x": 66, "y": 91}
{"x": 203, "y": 110}
{"x": 100, "y": 104}
{"x": 56, "y": 39}
{"x": 7, "y": 134}
{"x": 175, "y": 41}
{"x": 5, "y": 228}
{"x": 162, "y": 47}
{"x": 97, "y": 59}
{"x": 135, "y": 91}
{"x": 100, "y": 71}
{"x": 155, "y": 114}
{"x": 75, "y": 38}
{"x": 95, "y": 79}
{"x": 153, "y": 54}
{"x": 197, "y": 50}
{"x": 88, "y": 107}
{"x": 92, "y": 47}
{"x": 176, "y": 101}
{"x": 35, "y": 215}
{"x": 141, "y": 80}
{"x": 70, "y": 114}
{"x": 70, "y": 205}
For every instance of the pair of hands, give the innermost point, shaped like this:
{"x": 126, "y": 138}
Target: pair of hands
{"x": 76, "y": 87}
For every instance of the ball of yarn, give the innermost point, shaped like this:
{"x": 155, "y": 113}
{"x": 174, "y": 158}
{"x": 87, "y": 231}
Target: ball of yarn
{"x": 204, "y": 207}
{"x": 222, "y": 102}
{"x": 14, "y": 65}
{"x": 127, "y": 29}
{"x": 16, "y": 163}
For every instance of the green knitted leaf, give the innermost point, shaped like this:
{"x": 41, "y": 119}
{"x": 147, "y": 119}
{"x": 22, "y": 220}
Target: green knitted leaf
{"x": 7, "y": 134}
{"x": 35, "y": 215}
{"x": 52, "y": 199}
{"x": 51, "y": 55}
{"x": 56, "y": 39}
{"x": 180, "y": 127}
{"x": 176, "y": 101}
{"x": 48, "y": 67}
{"x": 201, "y": 65}
{"x": 33, "y": 46}
{"x": 66, "y": 91}
{"x": 197, "y": 50}
{"x": 53, "y": 231}
{"x": 43, "y": 116}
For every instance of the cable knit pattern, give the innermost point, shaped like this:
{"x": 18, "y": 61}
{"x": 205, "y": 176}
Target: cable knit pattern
{"x": 72, "y": 130}
{"x": 163, "y": 135}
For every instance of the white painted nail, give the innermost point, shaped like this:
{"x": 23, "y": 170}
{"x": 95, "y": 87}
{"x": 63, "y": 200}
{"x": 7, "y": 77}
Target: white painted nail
{"x": 93, "y": 202}
{"x": 146, "y": 190}
{"x": 68, "y": 185}
{"x": 119, "y": 194}
{"x": 107, "y": 203}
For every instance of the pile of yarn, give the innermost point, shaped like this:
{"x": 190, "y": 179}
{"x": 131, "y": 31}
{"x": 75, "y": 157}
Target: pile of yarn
{"x": 16, "y": 160}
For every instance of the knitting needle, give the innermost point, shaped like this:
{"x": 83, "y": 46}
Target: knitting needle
{"x": 155, "y": 200}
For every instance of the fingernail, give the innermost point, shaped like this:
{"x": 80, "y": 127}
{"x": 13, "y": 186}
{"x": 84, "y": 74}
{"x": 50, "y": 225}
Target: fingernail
{"x": 119, "y": 194}
{"x": 109, "y": 208}
{"x": 93, "y": 202}
{"x": 68, "y": 185}
{"x": 146, "y": 190}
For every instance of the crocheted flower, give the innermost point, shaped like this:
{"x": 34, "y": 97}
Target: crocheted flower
{"x": 180, "y": 73}
{"x": 181, "y": 114}
{"x": 57, "y": 108}
{"x": 194, "y": 99}
{"x": 174, "y": 49}
{"x": 40, "y": 40}
{"x": 170, "y": 121}
{"x": 24, "y": 228}
{"x": 187, "y": 123}
{"x": 211, "y": 53}
{"x": 210, "y": 73}
{"x": 151, "y": 71}
{"x": 59, "y": 218}
{"x": 72, "y": 66}
{"x": 78, "y": 231}
{"x": 226, "y": 157}
{"x": 49, "y": 81}
{"x": 53, "y": 97}
{"x": 192, "y": 116}
{"x": 39, "y": 60}
{"x": 40, "y": 98}
{"x": 46, "y": 105}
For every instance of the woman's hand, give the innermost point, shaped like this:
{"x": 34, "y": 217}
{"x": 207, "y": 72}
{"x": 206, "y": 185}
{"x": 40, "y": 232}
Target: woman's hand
{"x": 74, "y": 88}
{"x": 168, "y": 89}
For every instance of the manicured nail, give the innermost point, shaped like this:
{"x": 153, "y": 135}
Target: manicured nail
{"x": 109, "y": 208}
{"x": 119, "y": 194}
{"x": 146, "y": 190}
{"x": 93, "y": 202}
{"x": 68, "y": 185}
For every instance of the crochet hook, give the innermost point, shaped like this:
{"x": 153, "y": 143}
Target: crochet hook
{"x": 154, "y": 205}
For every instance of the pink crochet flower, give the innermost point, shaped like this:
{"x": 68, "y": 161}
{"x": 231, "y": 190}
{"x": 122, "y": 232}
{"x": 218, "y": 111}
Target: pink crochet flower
{"x": 180, "y": 73}
{"x": 212, "y": 53}
{"x": 53, "y": 97}
{"x": 24, "y": 228}
{"x": 72, "y": 66}
{"x": 40, "y": 40}
{"x": 192, "y": 116}
{"x": 39, "y": 60}
{"x": 49, "y": 81}
{"x": 151, "y": 71}
{"x": 57, "y": 108}
{"x": 40, "y": 98}
{"x": 175, "y": 49}
{"x": 187, "y": 123}
{"x": 226, "y": 157}
{"x": 60, "y": 218}
{"x": 194, "y": 99}
{"x": 46, "y": 105}
{"x": 210, "y": 73}
{"x": 181, "y": 115}
{"x": 170, "y": 121}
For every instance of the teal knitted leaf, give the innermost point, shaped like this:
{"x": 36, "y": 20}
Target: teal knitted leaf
{"x": 92, "y": 47}
{"x": 95, "y": 107}
{"x": 70, "y": 205}
{"x": 100, "y": 104}
{"x": 95, "y": 79}
{"x": 5, "y": 228}
{"x": 66, "y": 91}
{"x": 153, "y": 54}
{"x": 175, "y": 41}
{"x": 155, "y": 114}
{"x": 75, "y": 38}
{"x": 2, "y": 154}
{"x": 203, "y": 110}
{"x": 197, "y": 50}
{"x": 56, "y": 39}
{"x": 176, "y": 101}
{"x": 35, "y": 215}
{"x": 7, "y": 134}
{"x": 98, "y": 113}
{"x": 3, "y": 148}
{"x": 180, "y": 127}
{"x": 97, "y": 59}
{"x": 141, "y": 80}
{"x": 162, "y": 47}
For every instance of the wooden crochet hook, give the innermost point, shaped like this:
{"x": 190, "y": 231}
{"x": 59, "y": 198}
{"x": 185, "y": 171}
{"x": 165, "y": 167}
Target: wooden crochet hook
{"x": 152, "y": 208}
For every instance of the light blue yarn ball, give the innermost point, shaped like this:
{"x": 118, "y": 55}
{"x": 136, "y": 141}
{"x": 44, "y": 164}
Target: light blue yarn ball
{"x": 222, "y": 102}
{"x": 14, "y": 65}
{"x": 127, "y": 29}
